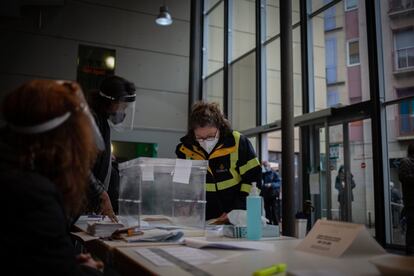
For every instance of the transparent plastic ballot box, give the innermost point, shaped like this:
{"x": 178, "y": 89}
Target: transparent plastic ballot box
{"x": 161, "y": 192}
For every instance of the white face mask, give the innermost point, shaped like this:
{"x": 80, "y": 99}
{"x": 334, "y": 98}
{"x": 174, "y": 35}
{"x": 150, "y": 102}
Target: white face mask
{"x": 208, "y": 146}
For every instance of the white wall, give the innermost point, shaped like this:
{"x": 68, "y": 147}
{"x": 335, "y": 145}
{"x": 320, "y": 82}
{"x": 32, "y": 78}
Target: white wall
{"x": 155, "y": 58}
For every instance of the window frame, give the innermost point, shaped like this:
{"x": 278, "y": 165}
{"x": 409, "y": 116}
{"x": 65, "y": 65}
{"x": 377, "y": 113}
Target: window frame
{"x": 395, "y": 33}
{"x": 347, "y": 9}
{"x": 349, "y": 41}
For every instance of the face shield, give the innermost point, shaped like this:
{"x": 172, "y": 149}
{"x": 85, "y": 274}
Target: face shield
{"x": 121, "y": 113}
{"x": 57, "y": 121}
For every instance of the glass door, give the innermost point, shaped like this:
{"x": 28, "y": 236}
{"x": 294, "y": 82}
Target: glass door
{"x": 341, "y": 177}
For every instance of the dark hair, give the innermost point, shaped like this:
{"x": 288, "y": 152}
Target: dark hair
{"x": 65, "y": 154}
{"x": 207, "y": 114}
{"x": 117, "y": 87}
{"x": 113, "y": 86}
{"x": 410, "y": 150}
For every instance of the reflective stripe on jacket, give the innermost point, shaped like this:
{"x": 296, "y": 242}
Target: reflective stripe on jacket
{"x": 233, "y": 166}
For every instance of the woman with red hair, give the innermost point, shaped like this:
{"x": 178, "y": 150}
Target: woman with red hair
{"x": 47, "y": 149}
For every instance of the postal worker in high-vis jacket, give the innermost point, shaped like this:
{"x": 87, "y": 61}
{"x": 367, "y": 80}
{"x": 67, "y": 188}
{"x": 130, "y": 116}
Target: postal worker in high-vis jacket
{"x": 233, "y": 164}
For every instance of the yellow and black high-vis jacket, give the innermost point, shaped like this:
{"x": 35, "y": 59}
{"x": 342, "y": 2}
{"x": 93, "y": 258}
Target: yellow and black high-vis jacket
{"x": 232, "y": 167}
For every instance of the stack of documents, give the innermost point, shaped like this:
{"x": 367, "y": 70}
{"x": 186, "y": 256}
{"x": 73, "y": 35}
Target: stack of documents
{"x": 156, "y": 235}
{"x": 102, "y": 229}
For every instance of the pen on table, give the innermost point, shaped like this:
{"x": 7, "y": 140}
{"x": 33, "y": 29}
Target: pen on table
{"x": 277, "y": 268}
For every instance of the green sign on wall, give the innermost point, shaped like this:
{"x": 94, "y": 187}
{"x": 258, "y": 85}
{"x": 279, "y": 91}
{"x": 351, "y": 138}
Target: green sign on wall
{"x": 124, "y": 151}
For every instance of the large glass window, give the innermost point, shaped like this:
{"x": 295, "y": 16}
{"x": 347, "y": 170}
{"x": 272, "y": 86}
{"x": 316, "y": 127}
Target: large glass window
{"x": 273, "y": 141}
{"x": 272, "y": 17}
{"x": 338, "y": 56}
{"x": 295, "y": 11}
{"x": 351, "y": 167}
{"x": 273, "y": 107}
{"x": 272, "y": 54}
{"x": 317, "y": 4}
{"x": 253, "y": 140}
{"x": 209, "y": 3}
{"x": 272, "y": 144}
{"x": 243, "y": 27}
{"x": 213, "y": 88}
{"x": 213, "y": 40}
{"x": 396, "y": 47}
{"x": 397, "y": 148}
{"x": 339, "y": 77}
{"x": 297, "y": 73}
{"x": 318, "y": 38}
{"x": 361, "y": 166}
{"x": 243, "y": 82}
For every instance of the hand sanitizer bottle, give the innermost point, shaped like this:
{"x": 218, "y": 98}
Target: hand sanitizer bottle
{"x": 254, "y": 214}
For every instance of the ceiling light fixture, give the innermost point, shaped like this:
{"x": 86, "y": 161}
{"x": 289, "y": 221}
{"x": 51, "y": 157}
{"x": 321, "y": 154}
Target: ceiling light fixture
{"x": 164, "y": 18}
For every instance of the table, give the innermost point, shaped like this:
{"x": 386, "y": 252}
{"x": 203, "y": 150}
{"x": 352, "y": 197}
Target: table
{"x": 245, "y": 262}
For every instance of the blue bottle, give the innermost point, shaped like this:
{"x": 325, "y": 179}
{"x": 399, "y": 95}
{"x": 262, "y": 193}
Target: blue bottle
{"x": 254, "y": 214}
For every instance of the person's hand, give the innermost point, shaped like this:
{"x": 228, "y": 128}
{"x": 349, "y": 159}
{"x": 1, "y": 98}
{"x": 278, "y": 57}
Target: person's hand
{"x": 86, "y": 259}
{"x": 106, "y": 207}
{"x": 223, "y": 219}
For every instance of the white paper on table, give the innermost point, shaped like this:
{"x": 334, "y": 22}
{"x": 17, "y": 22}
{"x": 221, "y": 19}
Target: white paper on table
{"x": 189, "y": 255}
{"x": 182, "y": 171}
{"x": 152, "y": 257}
{"x": 237, "y": 245}
{"x": 147, "y": 173}
{"x": 314, "y": 184}
{"x": 334, "y": 238}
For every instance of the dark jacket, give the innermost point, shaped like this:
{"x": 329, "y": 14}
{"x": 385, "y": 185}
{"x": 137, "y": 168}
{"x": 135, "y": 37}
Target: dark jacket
{"x": 406, "y": 176}
{"x": 34, "y": 238}
{"x": 100, "y": 168}
{"x": 270, "y": 177}
{"x": 233, "y": 166}
{"x": 341, "y": 189}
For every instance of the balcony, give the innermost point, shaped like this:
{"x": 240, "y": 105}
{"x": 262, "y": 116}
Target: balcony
{"x": 400, "y": 7}
{"x": 404, "y": 62}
